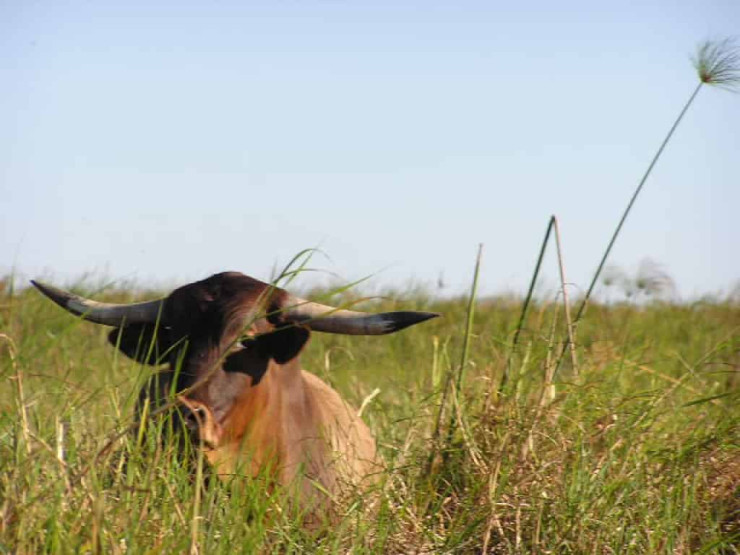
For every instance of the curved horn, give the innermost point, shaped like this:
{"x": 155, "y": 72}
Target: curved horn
{"x": 102, "y": 313}
{"x": 329, "y": 319}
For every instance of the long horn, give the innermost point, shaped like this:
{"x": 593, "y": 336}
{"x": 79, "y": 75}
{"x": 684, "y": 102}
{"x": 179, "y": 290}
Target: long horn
{"x": 102, "y": 313}
{"x": 329, "y": 319}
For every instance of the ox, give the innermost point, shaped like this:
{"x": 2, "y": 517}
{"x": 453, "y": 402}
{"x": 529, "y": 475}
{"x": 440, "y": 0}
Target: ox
{"x": 231, "y": 344}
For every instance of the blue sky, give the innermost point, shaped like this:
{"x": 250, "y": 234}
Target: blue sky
{"x": 164, "y": 141}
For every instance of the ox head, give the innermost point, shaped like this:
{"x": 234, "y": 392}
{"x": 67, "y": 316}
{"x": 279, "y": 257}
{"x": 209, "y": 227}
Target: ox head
{"x": 222, "y": 334}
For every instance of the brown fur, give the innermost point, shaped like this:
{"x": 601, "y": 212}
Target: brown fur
{"x": 298, "y": 429}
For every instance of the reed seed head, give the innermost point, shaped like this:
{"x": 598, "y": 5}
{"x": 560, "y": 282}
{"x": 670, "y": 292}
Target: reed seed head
{"x": 717, "y": 62}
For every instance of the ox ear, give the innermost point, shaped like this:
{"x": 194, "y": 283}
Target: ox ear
{"x": 141, "y": 342}
{"x": 283, "y": 344}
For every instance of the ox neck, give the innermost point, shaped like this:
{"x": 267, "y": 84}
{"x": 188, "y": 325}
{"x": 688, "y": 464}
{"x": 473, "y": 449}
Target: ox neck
{"x": 256, "y": 409}
{"x": 225, "y": 391}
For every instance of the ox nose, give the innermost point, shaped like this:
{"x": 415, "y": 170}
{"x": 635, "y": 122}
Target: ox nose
{"x": 200, "y": 423}
{"x": 195, "y": 417}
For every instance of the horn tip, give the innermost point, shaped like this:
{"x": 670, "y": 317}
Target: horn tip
{"x": 62, "y": 298}
{"x": 397, "y": 321}
{"x": 40, "y": 285}
{"x": 49, "y": 291}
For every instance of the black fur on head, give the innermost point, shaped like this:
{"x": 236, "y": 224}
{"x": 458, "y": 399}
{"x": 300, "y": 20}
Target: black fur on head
{"x": 201, "y": 335}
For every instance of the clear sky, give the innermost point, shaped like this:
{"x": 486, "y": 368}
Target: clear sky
{"x": 163, "y": 141}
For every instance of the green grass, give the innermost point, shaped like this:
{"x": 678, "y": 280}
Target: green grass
{"x": 637, "y": 454}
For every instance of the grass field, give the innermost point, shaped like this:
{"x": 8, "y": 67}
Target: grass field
{"x": 632, "y": 449}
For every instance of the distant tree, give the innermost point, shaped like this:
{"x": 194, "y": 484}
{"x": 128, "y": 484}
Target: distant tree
{"x": 650, "y": 281}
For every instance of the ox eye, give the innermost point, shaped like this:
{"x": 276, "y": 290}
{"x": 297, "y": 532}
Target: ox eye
{"x": 247, "y": 341}
{"x": 236, "y": 347}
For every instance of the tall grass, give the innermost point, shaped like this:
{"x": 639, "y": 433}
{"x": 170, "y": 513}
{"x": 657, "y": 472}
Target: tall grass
{"x": 717, "y": 63}
{"x": 639, "y": 455}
